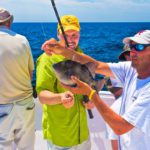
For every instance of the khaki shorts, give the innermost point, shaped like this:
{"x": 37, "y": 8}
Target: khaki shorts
{"x": 17, "y": 125}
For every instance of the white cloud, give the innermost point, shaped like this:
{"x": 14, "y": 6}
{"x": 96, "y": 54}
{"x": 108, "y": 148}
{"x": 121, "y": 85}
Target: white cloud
{"x": 108, "y": 10}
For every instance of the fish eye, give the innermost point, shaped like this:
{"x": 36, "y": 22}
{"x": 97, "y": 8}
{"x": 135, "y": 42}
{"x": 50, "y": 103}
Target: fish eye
{"x": 68, "y": 73}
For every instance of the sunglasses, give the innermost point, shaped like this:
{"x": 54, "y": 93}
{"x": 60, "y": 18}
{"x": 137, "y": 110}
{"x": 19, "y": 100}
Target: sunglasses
{"x": 138, "y": 47}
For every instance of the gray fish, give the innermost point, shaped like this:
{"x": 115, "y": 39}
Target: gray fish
{"x": 65, "y": 69}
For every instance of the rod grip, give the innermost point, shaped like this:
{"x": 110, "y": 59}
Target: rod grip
{"x": 86, "y": 99}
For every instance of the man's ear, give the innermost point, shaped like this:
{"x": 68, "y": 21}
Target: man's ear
{"x": 8, "y": 24}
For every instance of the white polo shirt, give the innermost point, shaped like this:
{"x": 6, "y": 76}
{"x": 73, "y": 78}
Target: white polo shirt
{"x": 16, "y": 63}
{"x": 135, "y": 107}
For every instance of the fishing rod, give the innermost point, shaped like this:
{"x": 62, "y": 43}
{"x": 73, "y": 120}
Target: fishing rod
{"x": 85, "y": 98}
{"x": 60, "y": 24}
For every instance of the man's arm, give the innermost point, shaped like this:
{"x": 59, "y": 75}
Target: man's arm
{"x": 53, "y": 46}
{"x": 104, "y": 69}
{"x": 115, "y": 121}
{"x": 31, "y": 74}
{"x": 118, "y": 124}
{"x": 50, "y": 98}
{"x": 101, "y": 67}
{"x": 30, "y": 58}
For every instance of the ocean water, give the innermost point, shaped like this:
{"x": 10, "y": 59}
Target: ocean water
{"x": 102, "y": 41}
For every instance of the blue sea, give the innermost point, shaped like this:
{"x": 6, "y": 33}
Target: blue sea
{"x": 102, "y": 41}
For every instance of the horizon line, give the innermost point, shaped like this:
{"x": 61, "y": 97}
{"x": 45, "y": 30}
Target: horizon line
{"x": 91, "y": 22}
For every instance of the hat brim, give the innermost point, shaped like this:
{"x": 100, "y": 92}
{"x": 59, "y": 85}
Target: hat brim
{"x": 135, "y": 39}
{"x": 122, "y": 57}
{"x": 9, "y": 18}
{"x": 70, "y": 28}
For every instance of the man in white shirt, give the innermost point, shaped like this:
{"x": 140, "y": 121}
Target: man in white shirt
{"x": 16, "y": 101}
{"x": 133, "y": 122}
{"x": 116, "y": 88}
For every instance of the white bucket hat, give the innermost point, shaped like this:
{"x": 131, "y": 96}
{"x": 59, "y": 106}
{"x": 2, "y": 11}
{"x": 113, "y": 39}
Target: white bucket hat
{"x": 142, "y": 37}
{"x": 5, "y": 15}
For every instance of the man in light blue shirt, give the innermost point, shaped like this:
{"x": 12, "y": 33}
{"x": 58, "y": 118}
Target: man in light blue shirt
{"x": 134, "y": 108}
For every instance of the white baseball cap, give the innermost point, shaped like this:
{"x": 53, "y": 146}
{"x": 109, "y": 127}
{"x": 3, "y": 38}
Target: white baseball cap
{"x": 142, "y": 37}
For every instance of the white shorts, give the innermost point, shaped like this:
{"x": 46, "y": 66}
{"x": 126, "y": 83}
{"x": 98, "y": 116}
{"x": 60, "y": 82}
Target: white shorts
{"x": 86, "y": 145}
{"x": 17, "y": 125}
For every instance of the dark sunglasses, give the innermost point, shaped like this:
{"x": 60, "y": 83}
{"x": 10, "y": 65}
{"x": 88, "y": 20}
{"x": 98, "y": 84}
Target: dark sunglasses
{"x": 138, "y": 47}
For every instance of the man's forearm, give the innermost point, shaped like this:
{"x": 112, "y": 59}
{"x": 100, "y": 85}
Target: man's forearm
{"x": 50, "y": 98}
{"x": 115, "y": 121}
{"x": 76, "y": 56}
{"x": 102, "y": 67}
{"x": 83, "y": 58}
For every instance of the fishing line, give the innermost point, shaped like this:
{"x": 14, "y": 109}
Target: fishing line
{"x": 43, "y": 31}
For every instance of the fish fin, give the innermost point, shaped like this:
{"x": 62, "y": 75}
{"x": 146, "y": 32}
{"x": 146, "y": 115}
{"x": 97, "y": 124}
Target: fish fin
{"x": 91, "y": 67}
{"x": 99, "y": 84}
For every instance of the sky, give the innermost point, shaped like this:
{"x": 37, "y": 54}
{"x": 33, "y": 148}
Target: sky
{"x": 85, "y": 10}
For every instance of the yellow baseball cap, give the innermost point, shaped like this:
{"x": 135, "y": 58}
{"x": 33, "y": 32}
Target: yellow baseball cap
{"x": 69, "y": 22}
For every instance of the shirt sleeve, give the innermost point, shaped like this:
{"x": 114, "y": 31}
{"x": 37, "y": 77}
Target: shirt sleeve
{"x": 45, "y": 78}
{"x": 121, "y": 71}
{"x": 138, "y": 113}
{"x": 115, "y": 83}
{"x": 30, "y": 57}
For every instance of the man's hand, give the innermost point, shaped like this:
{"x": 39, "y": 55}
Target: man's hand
{"x": 88, "y": 105}
{"x": 81, "y": 88}
{"x": 67, "y": 99}
{"x": 53, "y": 46}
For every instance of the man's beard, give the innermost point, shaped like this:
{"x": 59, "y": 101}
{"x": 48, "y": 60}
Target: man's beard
{"x": 140, "y": 68}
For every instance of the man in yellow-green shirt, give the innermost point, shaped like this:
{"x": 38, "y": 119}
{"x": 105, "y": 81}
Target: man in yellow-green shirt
{"x": 64, "y": 117}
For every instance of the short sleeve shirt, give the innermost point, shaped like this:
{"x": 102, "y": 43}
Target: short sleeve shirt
{"x": 135, "y": 106}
